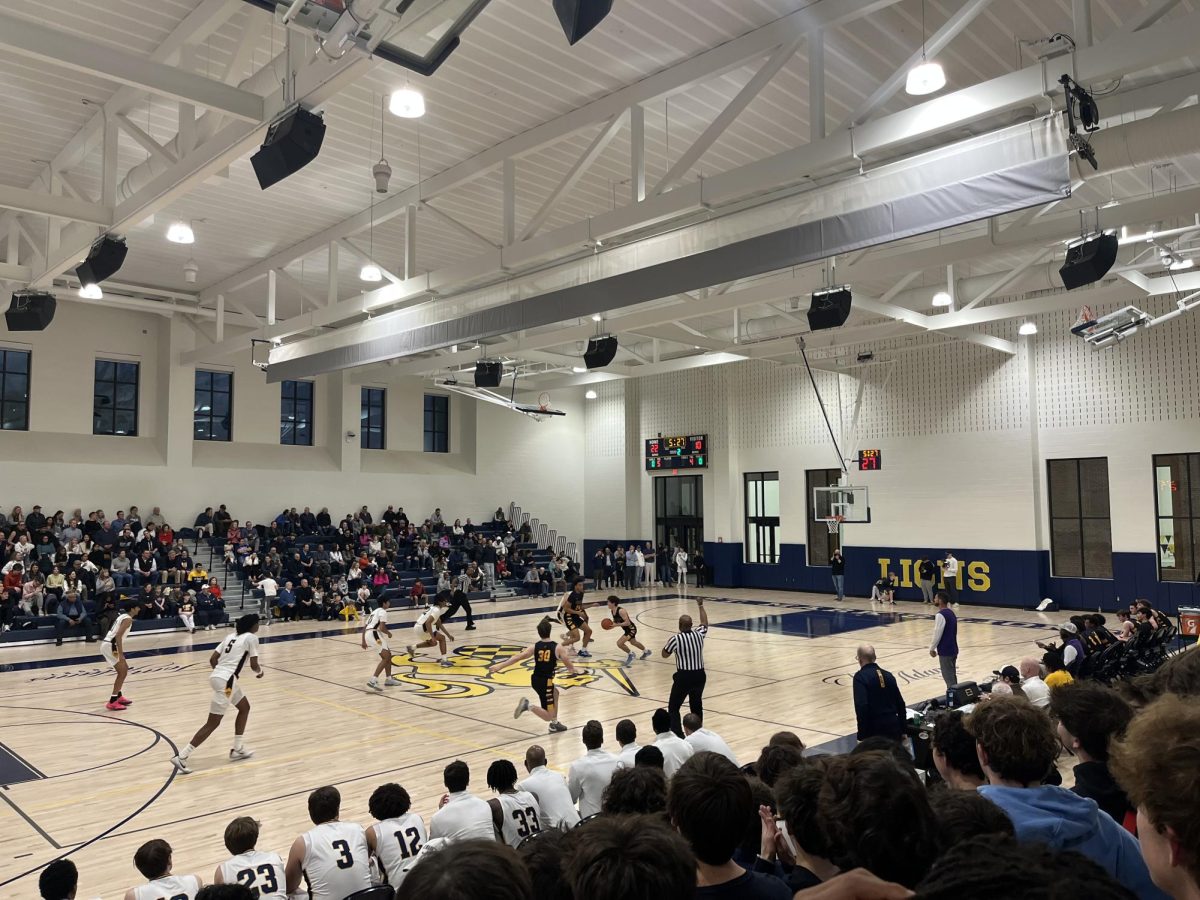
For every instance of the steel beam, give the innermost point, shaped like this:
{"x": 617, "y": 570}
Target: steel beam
{"x": 147, "y": 143}
{"x": 36, "y": 203}
{"x": 458, "y": 226}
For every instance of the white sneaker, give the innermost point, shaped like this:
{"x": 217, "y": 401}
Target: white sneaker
{"x": 180, "y": 765}
{"x": 374, "y": 685}
{"x": 244, "y": 753}
{"x": 445, "y": 664}
{"x": 408, "y": 648}
{"x": 391, "y": 682}
{"x": 522, "y": 708}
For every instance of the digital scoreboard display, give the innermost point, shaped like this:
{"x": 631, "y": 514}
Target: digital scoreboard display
{"x": 870, "y": 460}
{"x": 679, "y": 452}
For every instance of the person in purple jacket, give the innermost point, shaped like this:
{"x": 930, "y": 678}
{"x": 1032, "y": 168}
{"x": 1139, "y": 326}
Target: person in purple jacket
{"x": 945, "y": 638}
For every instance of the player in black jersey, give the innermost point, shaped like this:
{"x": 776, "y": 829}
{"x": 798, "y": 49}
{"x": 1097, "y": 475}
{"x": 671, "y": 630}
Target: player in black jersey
{"x": 572, "y": 613}
{"x": 622, "y": 620}
{"x": 546, "y": 656}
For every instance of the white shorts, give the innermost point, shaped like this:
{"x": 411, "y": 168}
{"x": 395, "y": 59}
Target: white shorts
{"x": 380, "y": 643}
{"x": 109, "y": 654}
{"x": 220, "y": 703}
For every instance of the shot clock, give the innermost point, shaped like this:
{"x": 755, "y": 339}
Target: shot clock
{"x": 870, "y": 460}
{"x": 678, "y": 452}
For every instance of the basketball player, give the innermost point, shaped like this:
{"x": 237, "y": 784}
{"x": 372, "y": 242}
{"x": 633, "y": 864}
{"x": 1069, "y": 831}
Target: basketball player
{"x": 546, "y": 657}
{"x": 376, "y": 626}
{"x": 153, "y": 860}
{"x": 261, "y": 872}
{"x": 113, "y": 651}
{"x": 332, "y": 857}
{"x": 227, "y": 662}
{"x": 399, "y": 834}
{"x": 429, "y": 625}
{"x": 622, "y": 620}
{"x": 515, "y": 813}
{"x": 573, "y": 614}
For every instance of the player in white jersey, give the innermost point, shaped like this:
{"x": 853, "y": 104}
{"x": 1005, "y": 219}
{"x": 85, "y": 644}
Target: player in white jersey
{"x": 398, "y": 836}
{"x": 333, "y": 857}
{"x": 261, "y": 872}
{"x": 112, "y": 648}
{"x": 431, "y": 630}
{"x": 153, "y": 860}
{"x": 227, "y": 661}
{"x": 515, "y": 813}
{"x": 376, "y": 630}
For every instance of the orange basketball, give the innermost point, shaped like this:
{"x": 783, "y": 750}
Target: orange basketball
{"x": 606, "y": 624}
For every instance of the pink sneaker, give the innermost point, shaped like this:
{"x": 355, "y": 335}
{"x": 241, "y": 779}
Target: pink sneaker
{"x": 115, "y": 706}
{"x": 124, "y": 701}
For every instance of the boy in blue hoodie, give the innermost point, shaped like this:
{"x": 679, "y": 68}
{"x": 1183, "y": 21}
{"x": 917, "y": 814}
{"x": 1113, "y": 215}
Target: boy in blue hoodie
{"x": 1017, "y": 745}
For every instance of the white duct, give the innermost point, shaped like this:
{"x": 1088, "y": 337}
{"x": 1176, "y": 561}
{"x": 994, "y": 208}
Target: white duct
{"x": 1160, "y": 138}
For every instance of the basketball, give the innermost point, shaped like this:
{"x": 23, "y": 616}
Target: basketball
{"x": 606, "y": 624}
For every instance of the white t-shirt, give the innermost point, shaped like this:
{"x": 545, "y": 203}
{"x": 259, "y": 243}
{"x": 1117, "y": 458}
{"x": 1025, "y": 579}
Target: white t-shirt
{"x": 262, "y": 872}
{"x": 588, "y": 777}
{"x": 336, "y": 860}
{"x": 1037, "y": 692}
{"x": 626, "y": 755}
{"x": 702, "y": 739}
{"x": 173, "y": 887}
{"x": 269, "y": 586}
{"x": 675, "y": 750}
{"x": 233, "y": 652}
{"x": 950, "y": 567}
{"x": 397, "y": 841}
{"x": 553, "y": 797}
{"x": 464, "y": 817}
{"x": 519, "y": 816}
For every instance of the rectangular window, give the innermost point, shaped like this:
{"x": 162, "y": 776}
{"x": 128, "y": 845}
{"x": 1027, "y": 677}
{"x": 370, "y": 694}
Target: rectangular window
{"x": 437, "y": 423}
{"x": 371, "y": 428}
{"x": 1177, "y": 511}
{"x": 1080, "y": 529}
{"x": 762, "y": 517}
{"x": 296, "y": 413}
{"x": 115, "y": 400}
{"x": 212, "y": 409}
{"x": 821, "y": 543}
{"x": 14, "y": 390}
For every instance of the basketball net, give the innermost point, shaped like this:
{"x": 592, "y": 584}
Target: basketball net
{"x": 834, "y": 523}
{"x": 544, "y": 401}
{"x": 1086, "y": 317}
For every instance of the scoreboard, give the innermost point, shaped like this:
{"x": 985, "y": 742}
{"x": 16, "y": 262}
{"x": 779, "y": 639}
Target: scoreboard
{"x": 870, "y": 460}
{"x": 679, "y": 452}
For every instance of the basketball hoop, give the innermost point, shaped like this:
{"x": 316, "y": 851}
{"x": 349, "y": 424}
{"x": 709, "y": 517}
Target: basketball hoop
{"x": 544, "y": 401}
{"x": 1086, "y": 323}
{"x": 834, "y": 523}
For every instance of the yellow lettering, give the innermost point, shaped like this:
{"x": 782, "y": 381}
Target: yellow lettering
{"x": 906, "y": 573}
{"x": 978, "y": 572}
{"x": 883, "y": 567}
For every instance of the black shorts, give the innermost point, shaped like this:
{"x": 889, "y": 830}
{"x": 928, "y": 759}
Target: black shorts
{"x": 630, "y": 631}
{"x": 574, "y": 620}
{"x": 544, "y": 688}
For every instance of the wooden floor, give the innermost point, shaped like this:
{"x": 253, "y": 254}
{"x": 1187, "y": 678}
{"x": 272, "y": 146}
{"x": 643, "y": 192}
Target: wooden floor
{"x": 101, "y": 783}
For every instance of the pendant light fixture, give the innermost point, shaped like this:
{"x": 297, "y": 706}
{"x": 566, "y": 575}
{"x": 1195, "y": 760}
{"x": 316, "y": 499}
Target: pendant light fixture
{"x": 370, "y": 272}
{"x": 926, "y": 77}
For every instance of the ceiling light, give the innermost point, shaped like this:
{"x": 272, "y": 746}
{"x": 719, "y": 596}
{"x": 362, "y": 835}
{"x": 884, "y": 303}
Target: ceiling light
{"x": 1027, "y": 328}
{"x": 181, "y": 233}
{"x": 91, "y": 292}
{"x": 597, "y": 318}
{"x": 578, "y": 370}
{"x": 407, "y": 103}
{"x": 590, "y": 395}
{"x": 925, "y": 78}
{"x": 370, "y": 272}
{"x": 1183, "y": 264}
{"x": 941, "y": 298}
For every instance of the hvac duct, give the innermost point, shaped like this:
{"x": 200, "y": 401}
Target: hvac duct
{"x": 1160, "y": 138}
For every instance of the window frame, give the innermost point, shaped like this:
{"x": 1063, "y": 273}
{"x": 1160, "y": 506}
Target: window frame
{"x": 368, "y": 402}
{"x": 1190, "y": 516}
{"x": 116, "y": 408}
{"x": 754, "y": 484}
{"x": 211, "y": 416}
{"x": 431, "y": 435}
{"x": 1080, "y": 517}
{"x": 5, "y": 374}
{"x": 286, "y": 387}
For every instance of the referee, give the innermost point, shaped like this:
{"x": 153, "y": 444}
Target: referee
{"x": 688, "y": 683}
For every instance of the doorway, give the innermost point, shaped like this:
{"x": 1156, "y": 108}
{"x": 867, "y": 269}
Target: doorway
{"x": 679, "y": 512}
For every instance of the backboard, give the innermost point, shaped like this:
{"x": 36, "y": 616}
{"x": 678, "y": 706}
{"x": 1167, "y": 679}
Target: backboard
{"x": 847, "y": 501}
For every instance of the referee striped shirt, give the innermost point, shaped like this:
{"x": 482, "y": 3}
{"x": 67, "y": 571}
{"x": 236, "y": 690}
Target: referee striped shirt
{"x": 688, "y": 647}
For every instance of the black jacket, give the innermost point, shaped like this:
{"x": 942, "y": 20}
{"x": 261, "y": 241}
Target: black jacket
{"x": 1092, "y": 779}
{"x": 877, "y": 703}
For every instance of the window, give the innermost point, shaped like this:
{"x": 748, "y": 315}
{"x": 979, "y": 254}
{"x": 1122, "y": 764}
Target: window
{"x": 821, "y": 543}
{"x": 1177, "y": 507}
{"x": 1080, "y": 531}
{"x": 212, "y": 410}
{"x": 14, "y": 390}
{"x": 762, "y": 517}
{"x": 296, "y": 413}
{"x": 437, "y": 424}
{"x": 370, "y": 430}
{"x": 115, "y": 403}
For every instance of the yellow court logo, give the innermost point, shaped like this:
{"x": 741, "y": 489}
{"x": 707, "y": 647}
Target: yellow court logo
{"x": 469, "y": 677}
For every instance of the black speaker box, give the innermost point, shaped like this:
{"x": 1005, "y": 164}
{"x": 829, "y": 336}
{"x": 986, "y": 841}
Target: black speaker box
{"x": 962, "y": 694}
{"x": 578, "y": 17}
{"x": 103, "y": 261}
{"x": 600, "y": 352}
{"x": 488, "y": 373}
{"x": 30, "y": 312}
{"x": 292, "y": 143}
{"x": 1088, "y": 262}
{"x": 829, "y": 309}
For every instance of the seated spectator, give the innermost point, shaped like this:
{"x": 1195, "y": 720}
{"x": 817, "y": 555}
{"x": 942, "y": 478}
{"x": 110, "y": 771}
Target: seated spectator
{"x": 630, "y": 858}
{"x": 469, "y": 870}
{"x": 59, "y": 880}
{"x": 71, "y": 613}
{"x": 227, "y": 892}
{"x": 551, "y": 791}
{"x": 590, "y": 774}
{"x": 776, "y": 759}
{"x": 798, "y": 792}
{"x": 1179, "y": 675}
{"x": 398, "y": 834}
{"x": 626, "y": 733}
{"x": 702, "y": 738}
{"x": 884, "y": 590}
{"x": 1091, "y": 716}
{"x": 1017, "y": 746}
{"x": 1057, "y": 674}
{"x": 544, "y": 857}
{"x": 187, "y": 611}
{"x": 286, "y": 601}
{"x": 533, "y": 583}
{"x": 417, "y": 594}
{"x": 153, "y": 860}
{"x": 462, "y": 816}
{"x": 708, "y": 802}
{"x": 210, "y": 610}
{"x": 160, "y": 607}
{"x": 675, "y": 750}
{"x": 1157, "y": 763}
{"x": 1031, "y": 683}
{"x": 962, "y": 815}
{"x": 262, "y": 871}
{"x": 515, "y": 813}
{"x": 954, "y": 753}
{"x": 634, "y": 791}
{"x": 332, "y": 858}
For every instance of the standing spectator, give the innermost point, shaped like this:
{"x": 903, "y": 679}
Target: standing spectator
{"x": 701, "y": 567}
{"x": 945, "y": 639}
{"x": 637, "y": 577}
{"x": 1072, "y": 648}
{"x": 649, "y": 565}
{"x": 690, "y": 677}
{"x": 590, "y": 774}
{"x": 926, "y": 575}
{"x": 1090, "y": 717}
{"x": 598, "y": 577}
{"x": 837, "y": 571}
{"x": 950, "y": 576}
{"x": 681, "y": 566}
{"x": 878, "y": 705}
{"x": 550, "y": 789}
{"x": 270, "y": 588}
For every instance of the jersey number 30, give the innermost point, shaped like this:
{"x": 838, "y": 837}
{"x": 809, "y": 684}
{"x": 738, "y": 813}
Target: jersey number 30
{"x": 270, "y": 884}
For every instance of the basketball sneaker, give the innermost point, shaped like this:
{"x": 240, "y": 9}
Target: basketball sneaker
{"x": 115, "y": 706}
{"x": 391, "y": 682}
{"x": 124, "y": 701}
{"x": 445, "y": 664}
{"x": 373, "y": 685}
{"x": 522, "y": 708}
{"x": 628, "y": 660}
{"x": 556, "y": 727}
{"x": 408, "y": 648}
{"x": 244, "y": 753}
{"x": 181, "y": 765}
{"x": 647, "y": 654}
{"x": 585, "y": 654}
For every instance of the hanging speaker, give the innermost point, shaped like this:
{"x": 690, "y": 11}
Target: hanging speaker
{"x": 30, "y": 311}
{"x": 829, "y": 309}
{"x": 600, "y": 352}
{"x": 488, "y": 373}
{"x": 103, "y": 261}
{"x": 1089, "y": 261}
{"x": 292, "y": 143}
{"x": 578, "y": 17}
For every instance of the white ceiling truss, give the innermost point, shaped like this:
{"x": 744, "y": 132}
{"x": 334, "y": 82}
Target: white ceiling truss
{"x": 512, "y": 210}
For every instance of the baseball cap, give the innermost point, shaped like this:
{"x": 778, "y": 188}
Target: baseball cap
{"x": 1069, "y": 628}
{"x": 1010, "y": 672}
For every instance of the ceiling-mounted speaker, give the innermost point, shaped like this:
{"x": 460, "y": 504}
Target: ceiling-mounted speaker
{"x": 578, "y": 17}
{"x": 30, "y": 311}
{"x": 488, "y": 373}
{"x": 600, "y": 352}
{"x": 829, "y": 309}
{"x": 103, "y": 261}
{"x": 293, "y": 141}
{"x": 1089, "y": 261}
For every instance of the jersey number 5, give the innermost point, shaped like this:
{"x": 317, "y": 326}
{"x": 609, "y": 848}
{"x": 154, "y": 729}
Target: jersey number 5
{"x": 345, "y": 860}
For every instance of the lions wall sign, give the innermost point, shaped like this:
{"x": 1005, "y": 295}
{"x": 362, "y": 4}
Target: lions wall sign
{"x": 470, "y": 678}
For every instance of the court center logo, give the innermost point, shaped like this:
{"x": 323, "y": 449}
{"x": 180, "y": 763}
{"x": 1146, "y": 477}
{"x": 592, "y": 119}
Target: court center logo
{"x": 470, "y": 678}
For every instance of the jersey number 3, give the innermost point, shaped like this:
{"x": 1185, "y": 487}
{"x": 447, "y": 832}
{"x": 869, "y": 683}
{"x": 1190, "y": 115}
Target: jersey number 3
{"x": 345, "y": 860}
{"x": 270, "y": 884}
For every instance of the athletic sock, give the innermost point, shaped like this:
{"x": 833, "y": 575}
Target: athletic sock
{"x": 187, "y": 751}
{"x": 239, "y": 741}
{"x": 113, "y": 698}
